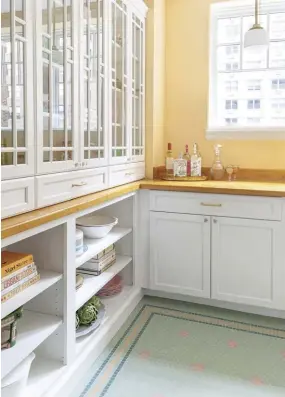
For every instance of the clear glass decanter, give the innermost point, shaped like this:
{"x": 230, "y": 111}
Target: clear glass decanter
{"x": 217, "y": 170}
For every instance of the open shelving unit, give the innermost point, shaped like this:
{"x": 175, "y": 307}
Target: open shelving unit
{"x": 47, "y": 327}
{"x": 92, "y": 284}
{"x": 32, "y": 329}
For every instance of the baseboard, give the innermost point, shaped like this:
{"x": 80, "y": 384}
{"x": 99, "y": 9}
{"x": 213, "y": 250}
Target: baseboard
{"x": 220, "y": 304}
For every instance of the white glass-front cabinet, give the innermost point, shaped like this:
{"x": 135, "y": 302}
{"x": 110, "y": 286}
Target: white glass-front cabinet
{"x": 72, "y": 84}
{"x": 127, "y": 53}
{"x": 17, "y": 123}
{"x": 57, "y": 111}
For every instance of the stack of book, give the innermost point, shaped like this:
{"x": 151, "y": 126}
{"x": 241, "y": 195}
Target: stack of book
{"x": 18, "y": 272}
{"x": 99, "y": 263}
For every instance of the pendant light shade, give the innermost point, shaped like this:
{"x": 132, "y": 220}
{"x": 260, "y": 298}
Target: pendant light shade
{"x": 256, "y": 39}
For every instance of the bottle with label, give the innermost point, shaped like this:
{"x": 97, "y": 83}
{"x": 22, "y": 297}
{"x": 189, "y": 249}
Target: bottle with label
{"x": 187, "y": 157}
{"x": 196, "y": 162}
{"x": 180, "y": 166}
{"x": 169, "y": 160}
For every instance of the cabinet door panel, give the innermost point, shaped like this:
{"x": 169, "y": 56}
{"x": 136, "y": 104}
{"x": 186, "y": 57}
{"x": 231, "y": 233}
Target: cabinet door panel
{"x": 245, "y": 261}
{"x": 180, "y": 253}
{"x": 93, "y": 83}
{"x": 57, "y": 112}
{"x": 17, "y": 111}
{"x": 119, "y": 83}
{"x": 138, "y": 50}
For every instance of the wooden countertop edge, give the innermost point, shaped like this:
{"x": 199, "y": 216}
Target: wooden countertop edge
{"x": 30, "y": 220}
{"x": 20, "y": 223}
{"x": 247, "y": 191}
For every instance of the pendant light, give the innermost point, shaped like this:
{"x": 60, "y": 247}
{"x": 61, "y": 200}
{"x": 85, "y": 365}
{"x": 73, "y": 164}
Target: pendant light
{"x": 256, "y": 39}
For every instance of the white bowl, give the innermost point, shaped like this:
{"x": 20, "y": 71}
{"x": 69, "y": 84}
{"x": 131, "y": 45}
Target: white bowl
{"x": 96, "y": 226}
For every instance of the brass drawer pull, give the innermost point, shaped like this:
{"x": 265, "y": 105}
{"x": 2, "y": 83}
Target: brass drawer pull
{"x": 79, "y": 184}
{"x": 211, "y": 205}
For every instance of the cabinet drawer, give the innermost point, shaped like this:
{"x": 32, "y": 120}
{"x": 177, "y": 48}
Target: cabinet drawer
{"x": 217, "y": 205}
{"x": 121, "y": 174}
{"x": 17, "y": 196}
{"x": 55, "y": 188}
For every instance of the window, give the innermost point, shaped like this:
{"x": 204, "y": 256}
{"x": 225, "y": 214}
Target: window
{"x": 231, "y": 104}
{"x": 254, "y": 85}
{"x": 253, "y": 104}
{"x": 247, "y": 89}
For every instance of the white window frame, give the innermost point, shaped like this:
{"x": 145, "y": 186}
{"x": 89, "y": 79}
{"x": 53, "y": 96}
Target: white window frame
{"x": 235, "y": 8}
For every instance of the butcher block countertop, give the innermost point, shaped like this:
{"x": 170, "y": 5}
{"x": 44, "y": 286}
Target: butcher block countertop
{"x": 23, "y": 222}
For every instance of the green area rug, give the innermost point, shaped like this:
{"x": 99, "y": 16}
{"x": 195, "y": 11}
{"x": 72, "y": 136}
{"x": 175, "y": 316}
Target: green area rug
{"x": 182, "y": 350}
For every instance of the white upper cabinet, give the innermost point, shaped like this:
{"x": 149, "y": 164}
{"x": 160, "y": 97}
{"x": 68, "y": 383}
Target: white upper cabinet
{"x": 93, "y": 83}
{"x": 127, "y": 53}
{"x": 57, "y": 112}
{"x": 17, "y": 113}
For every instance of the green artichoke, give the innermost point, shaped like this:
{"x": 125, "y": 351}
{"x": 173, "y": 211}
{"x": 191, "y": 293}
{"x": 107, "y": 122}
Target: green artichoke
{"x": 87, "y": 314}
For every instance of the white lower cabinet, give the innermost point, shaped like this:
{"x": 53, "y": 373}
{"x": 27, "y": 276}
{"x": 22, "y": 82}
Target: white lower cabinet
{"x": 230, "y": 259}
{"x": 180, "y": 253}
{"x": 246, "y": 261}
{"x": 17, "y": 196}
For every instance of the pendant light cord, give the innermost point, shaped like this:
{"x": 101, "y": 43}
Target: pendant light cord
{"x": 256, "y": 12}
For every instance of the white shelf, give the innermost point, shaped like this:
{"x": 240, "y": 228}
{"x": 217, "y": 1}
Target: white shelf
{"x": 92, "y": 284}
{"x": 47, "y": 279}
{"x": 114, "y": 308}
{"x": 43, "y": 374}
{"x": 32, "y": 329}
{"x": 95, "y": 246}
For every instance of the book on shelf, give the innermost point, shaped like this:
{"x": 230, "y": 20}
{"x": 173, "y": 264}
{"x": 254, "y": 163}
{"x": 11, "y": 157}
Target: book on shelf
{"x": 99, "y": 265}
{"x": 13, "y": 261}
{"x": 19, "y": 283}
{"x": 15, "y": 277}
{"x": 21, "y": 288}
{"x": 103, "y": 253}
{"x": 96, "y": 272}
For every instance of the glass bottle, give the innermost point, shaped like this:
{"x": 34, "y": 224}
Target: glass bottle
{"x": 169, "y": 160}
{"x": 187, "y": 157}
{"x": 217, "y": 170}
{"x": 196, "y": 162}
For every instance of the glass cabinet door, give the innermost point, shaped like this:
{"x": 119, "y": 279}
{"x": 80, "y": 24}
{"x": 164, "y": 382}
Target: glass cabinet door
{"x": 138, "y": 135}
{"x": 93, "y": 83}
{"x": 119, "y": 83}
{"x": 17, "y": 113}
{"x": 56, "y": 54}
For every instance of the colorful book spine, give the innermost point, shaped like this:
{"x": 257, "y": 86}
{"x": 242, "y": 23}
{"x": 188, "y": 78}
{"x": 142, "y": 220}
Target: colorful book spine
{"x": 21, "y": 288}
{"x": 15, "y": 277}
{"x": 19, "y": 283}
{"x": 10, "y": 265}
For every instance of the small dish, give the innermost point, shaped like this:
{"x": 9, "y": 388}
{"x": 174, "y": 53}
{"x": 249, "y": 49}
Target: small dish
{"x": 96, "y": 226}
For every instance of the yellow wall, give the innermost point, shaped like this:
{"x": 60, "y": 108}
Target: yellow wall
{"x": 187, "y": 49}
{"x": 155, "y": 84}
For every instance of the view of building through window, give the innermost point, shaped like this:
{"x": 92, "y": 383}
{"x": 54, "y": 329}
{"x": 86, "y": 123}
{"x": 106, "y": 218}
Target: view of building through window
{"x": 248, "y": 87}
